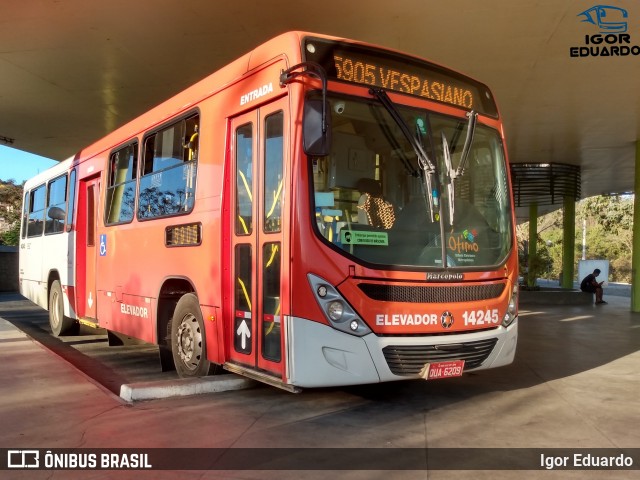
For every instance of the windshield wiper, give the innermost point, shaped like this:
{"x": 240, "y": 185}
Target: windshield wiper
{"x": 464, "y": 159}
{"x": 427, "y": 167}
{"x": 471, "y": 130}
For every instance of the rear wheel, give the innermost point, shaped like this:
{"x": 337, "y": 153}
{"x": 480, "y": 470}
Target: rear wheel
{"x": 57, "y": 321}
{"x": 188, "y": 344}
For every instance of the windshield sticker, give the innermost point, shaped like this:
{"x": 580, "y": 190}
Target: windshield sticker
{"x": 357, "y": 237}
{"x": 464, "y": 242}
{"x": 464, "y": 246}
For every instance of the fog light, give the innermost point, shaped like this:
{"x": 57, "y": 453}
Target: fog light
{"x": 322, "y": 291}
{"x": 354, "y": 325}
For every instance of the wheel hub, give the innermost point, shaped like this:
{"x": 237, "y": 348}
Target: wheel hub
{"x": 189, "y": 342}
{"x": 55, "y": 317}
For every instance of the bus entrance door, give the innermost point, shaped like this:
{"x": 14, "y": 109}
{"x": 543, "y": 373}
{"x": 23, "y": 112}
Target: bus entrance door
{"x": 255, "y": 338}
{"x": 87, "y": 247}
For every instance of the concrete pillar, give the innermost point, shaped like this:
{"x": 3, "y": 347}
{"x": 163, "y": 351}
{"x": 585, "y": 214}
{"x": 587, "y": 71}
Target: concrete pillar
{"x": 533, "y": 241}
{"x": 635, "y": 255}
{"x": 568, "y": 241}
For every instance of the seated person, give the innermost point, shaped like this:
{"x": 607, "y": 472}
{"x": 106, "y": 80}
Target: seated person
{"x": 372, "y": 208}
{"x": 590, "y": 285}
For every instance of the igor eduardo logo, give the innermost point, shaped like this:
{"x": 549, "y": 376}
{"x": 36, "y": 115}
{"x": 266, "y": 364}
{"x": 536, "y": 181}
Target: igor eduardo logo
{"x": 605, "y": 16}
{"x": 611, "y": 41}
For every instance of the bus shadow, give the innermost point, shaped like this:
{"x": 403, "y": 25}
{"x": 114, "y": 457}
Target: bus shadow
{"x": 88, "y": 350}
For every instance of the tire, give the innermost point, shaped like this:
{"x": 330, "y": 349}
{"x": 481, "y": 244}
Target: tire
{"x": 57, "y": 321}
{"x": 188, "y": 344}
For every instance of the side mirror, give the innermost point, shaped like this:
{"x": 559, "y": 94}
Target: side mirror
{"x": 316, "y": 124}
{"x": 56, "y": 213}
{"x": 316, "y": 128}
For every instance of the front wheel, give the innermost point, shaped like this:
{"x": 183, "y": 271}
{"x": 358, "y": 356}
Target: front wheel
{"x": 188, "y": 344}
{"x": 57, "y": 321}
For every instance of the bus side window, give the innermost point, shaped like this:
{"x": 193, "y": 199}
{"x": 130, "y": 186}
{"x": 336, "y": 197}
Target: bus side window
{"x": 25, "y": 214}
{"x": 36, "y": 212}
{"x": 56, "y": 201}
{"x": 121, "y": 189}
{"x": 169, "y": 168}
{"x": 71, "y": 196}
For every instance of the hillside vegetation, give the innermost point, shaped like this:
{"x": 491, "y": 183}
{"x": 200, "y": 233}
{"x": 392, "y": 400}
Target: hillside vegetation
{"x": 10, "y": 208}
{"x": 609, "y": 236}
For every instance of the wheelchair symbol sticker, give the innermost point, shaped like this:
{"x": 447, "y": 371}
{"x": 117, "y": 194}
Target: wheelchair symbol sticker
{"x": 103, "y": 245}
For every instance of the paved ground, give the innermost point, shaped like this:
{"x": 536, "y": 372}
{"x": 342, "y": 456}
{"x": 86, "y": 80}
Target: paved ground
{"x": 575, "y": 384}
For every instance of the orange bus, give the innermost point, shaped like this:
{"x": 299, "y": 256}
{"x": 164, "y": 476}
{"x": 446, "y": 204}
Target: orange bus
{"x": 320, "y": 212}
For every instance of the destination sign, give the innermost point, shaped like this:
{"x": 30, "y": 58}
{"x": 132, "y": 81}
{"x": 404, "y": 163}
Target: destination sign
{"x": 378, "y": 68}
{"x": 353, "y": 69}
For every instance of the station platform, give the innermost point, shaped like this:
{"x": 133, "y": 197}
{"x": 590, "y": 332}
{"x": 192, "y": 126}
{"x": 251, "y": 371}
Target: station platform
{"x": 575, "y": 384}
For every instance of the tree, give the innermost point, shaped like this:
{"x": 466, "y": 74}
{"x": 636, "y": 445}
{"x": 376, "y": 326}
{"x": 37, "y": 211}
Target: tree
{"x": 609, "y": 236}
{"x": 10, "y": 210}
{"x": 609, "y": 221}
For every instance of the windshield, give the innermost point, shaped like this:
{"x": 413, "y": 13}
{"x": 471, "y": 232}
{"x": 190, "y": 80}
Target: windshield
{"x": 375, "y": 202}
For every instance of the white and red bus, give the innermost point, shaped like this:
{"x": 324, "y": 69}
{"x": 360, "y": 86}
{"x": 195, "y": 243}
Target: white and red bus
{"x": 319, "y": 212}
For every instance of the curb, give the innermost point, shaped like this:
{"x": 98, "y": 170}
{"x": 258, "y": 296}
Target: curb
{"x": 134, "y": 392}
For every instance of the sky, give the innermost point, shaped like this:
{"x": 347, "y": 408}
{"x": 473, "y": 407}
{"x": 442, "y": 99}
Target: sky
{"x": 20, "y": 166}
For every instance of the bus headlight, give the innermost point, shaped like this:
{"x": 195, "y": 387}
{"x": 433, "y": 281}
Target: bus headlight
{"x": 337, "y": 310}
{"x": 512, "y": 309}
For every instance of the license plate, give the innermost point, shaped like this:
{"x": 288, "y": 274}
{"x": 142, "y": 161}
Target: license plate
{"x": 433, "y": 371}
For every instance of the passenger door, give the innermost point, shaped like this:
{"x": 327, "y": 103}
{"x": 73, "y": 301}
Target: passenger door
{"x": 257, "y": 156}
{"x": 87, "y": 246}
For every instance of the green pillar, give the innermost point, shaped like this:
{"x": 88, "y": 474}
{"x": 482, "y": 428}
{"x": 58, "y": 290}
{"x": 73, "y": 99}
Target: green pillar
{"x": 635, "y": 258}
{"x": 568, "y": 241}
{"x": 533, "y": 244}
